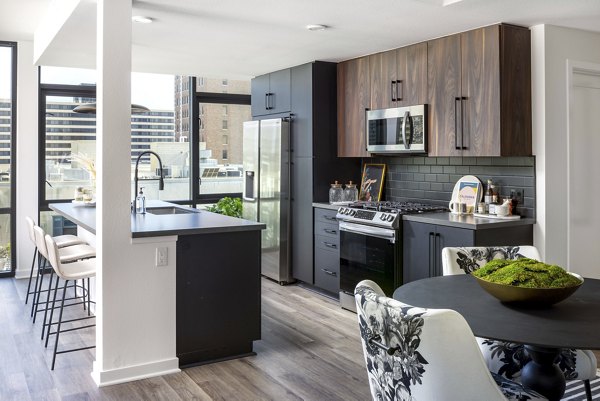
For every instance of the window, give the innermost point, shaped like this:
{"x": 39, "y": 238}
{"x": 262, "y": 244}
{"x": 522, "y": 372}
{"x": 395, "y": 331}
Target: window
{"x": 220, "y": 152}
{"x": 8, "y": 101}
{"x": 68, "y": 151}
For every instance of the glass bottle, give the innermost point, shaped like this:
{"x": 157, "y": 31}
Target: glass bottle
{"x": 336, "y": 193}
{"x": 489, "y": 193}
{"x": 351, "y": 192}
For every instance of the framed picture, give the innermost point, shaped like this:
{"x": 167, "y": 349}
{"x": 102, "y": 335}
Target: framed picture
{"x": 372, "y": 183}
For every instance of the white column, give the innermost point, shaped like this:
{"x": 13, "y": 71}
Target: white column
{"x": 135, "y": 325}
{"x": 27, "y": 151}
{"x": 113, "y": 226}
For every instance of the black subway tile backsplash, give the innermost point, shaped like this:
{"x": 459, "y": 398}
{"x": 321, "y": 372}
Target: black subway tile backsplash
{"x": 432, "y": 179}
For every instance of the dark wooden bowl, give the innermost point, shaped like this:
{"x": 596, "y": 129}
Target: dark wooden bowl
{"x": 528, "y": 296}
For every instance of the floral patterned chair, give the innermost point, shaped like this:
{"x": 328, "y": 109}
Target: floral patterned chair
{"x": 413, "y": 353}
{"x": 505, "y": 358}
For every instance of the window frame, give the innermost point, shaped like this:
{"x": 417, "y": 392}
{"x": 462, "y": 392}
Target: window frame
{"x": 11, "y": 210}
{"x": 207, "y": 97}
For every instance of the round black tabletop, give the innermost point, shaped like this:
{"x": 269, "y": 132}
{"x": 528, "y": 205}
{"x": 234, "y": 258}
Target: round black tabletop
{"x": 572, "y": 323}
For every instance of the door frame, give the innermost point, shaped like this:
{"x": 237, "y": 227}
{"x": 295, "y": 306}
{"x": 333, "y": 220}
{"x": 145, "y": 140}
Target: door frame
{"x": 573, "y": 67}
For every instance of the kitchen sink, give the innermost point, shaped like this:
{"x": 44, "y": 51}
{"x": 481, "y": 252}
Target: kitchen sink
{"x": 169, "y": 210}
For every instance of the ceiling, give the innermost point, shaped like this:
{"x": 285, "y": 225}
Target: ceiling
{"x": 241, "y": 38}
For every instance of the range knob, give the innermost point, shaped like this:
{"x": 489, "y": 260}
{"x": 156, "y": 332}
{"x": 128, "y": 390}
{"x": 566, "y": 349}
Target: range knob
{"x": 341, "y": 210}
{"x": 347, "y": 211}
{"x": 383, "y": 216}
{"x": 352, "y": 212}
{"x": 390, "y": 218}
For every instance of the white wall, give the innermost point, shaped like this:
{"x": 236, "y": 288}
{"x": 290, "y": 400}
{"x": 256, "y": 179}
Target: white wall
{"x": 551, "y": 48}
{"x": 27, "y": 153}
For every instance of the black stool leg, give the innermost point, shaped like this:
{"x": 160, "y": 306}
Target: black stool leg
{"x": 39, "y": 292}
{"x": 31, "y": 275}
{"x": 47, "y": 302}
{"x": 62, "y": 306}
{"x": 83, "y": 291}
{"x": 37, "y": 276}
{"x": 588, "y": 390}
{"x": 89, "y": 295}
{"x": 51, "y": 312}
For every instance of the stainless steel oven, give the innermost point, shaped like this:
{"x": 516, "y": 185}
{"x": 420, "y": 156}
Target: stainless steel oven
{"x": 397, "y": 130}
{"x": 371, "y": 245}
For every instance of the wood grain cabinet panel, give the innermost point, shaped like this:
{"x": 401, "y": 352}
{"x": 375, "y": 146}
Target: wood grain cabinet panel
{"x": 353, "y": 94}
{"x": 480, "y": 93}
{"x": 399, "y": 77}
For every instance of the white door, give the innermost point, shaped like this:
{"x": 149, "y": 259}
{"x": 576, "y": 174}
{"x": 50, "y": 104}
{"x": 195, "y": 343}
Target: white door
{"x": 584, "y": 174}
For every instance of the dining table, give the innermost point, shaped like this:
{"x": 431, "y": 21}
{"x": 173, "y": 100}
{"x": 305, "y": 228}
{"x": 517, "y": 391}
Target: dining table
{"x": 571, "y": 323}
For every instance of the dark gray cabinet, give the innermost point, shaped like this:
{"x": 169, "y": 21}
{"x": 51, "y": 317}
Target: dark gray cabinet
{"x": 327, "y": 250}
{"x": 423, "y": 244}
{"x": 270, "y": 93}
{"x": 314, "y": 162}
{"x": 218, "y": 295}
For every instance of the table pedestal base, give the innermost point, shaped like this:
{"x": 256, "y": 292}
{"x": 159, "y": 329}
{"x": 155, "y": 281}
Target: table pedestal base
{"x": 541, "y": 374}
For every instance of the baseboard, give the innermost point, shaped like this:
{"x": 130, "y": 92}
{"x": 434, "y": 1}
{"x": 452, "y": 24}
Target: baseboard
{"x": 135, "y": 372}
{"x": 19, "y": 275}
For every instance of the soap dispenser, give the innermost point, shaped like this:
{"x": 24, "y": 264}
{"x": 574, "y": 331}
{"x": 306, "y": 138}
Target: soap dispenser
{"x": 141, "y": 202}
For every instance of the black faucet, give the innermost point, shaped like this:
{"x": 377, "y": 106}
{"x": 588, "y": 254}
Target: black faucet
{"x": 161, "y": 181}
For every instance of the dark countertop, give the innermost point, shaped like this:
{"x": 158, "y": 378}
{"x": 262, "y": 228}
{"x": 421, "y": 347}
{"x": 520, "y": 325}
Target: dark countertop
{"x": 150, "y": 225}
{"x": 465, "y": 221}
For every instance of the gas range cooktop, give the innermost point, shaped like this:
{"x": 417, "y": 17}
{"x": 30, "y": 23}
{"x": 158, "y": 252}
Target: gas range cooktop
{"x": 383, "y": 214}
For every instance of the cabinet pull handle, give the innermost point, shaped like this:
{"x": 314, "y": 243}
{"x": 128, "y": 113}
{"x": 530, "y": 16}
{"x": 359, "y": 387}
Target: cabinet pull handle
{"x": 330, "y": 218}
{"x": 328, "y": 231}
{"x": 462, "y": 123}
{"x": 330, "y": 245}
{"x": 393, "y": 90}
{"x": 401, "y": 96}
{"x": 431, "y": 254}
{"x": 266, "y": 101}
{"x": 331, "y": 273}
{"x": 437, "y": 251}
{"x": 456, "y": 101}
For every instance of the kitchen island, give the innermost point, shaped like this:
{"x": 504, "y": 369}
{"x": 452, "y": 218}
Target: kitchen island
{"x": 217, "y": 279}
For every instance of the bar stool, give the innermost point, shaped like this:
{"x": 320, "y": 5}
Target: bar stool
{"x": 66, "y": 255}
{"x": 61, "y": 241}
{"x": 83, "y": 269}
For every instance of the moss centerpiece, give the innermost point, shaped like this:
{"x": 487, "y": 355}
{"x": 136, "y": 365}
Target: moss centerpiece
{"x": 527, "y": 281}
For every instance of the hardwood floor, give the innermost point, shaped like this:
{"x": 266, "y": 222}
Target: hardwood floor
{"x": 310, "y": 350}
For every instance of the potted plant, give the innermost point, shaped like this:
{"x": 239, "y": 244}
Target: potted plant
{"x": 228, "y": 207}
{"x": 4, "y": 255}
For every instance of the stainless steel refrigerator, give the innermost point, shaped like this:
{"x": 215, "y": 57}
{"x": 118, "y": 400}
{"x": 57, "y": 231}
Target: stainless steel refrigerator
{"x": 266, "y": 197}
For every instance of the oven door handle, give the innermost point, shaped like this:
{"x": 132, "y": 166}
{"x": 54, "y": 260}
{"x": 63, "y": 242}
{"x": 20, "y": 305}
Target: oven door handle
{"x": 382, "y": 233}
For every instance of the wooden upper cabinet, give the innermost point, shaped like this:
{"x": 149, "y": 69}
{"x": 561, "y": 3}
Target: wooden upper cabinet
{"x": 353, "y": 94}
{"x": 412, "y": 74}
{"x": 382, "y": 76}
{"x": 444, "y": 75}
{"x": 480, "y": 93}
{"x": 399, "y": 77}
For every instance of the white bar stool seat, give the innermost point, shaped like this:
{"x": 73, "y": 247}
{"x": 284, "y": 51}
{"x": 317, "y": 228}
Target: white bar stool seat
{"x": 67, "y": 240}
{"x": 66, "y": 254}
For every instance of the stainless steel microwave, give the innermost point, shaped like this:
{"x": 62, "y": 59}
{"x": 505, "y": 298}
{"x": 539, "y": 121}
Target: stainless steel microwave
{"x": 397, "y": 130}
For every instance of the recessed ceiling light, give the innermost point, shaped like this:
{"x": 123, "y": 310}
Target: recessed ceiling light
{"x": 140, "y": 19}
{"x": 316, "y": 27}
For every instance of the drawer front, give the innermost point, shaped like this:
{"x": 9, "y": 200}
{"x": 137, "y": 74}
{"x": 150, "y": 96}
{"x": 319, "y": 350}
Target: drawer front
{"x": 327, "y": 243}
{"x": 327, "y": 270}
{"x": 327, "y": 229}
{"x": 325, "y": 215}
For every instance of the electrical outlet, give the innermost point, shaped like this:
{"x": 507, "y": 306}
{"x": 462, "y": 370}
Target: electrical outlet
{"x": 518, "y": 192}
{"x": 162, "y": 256}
